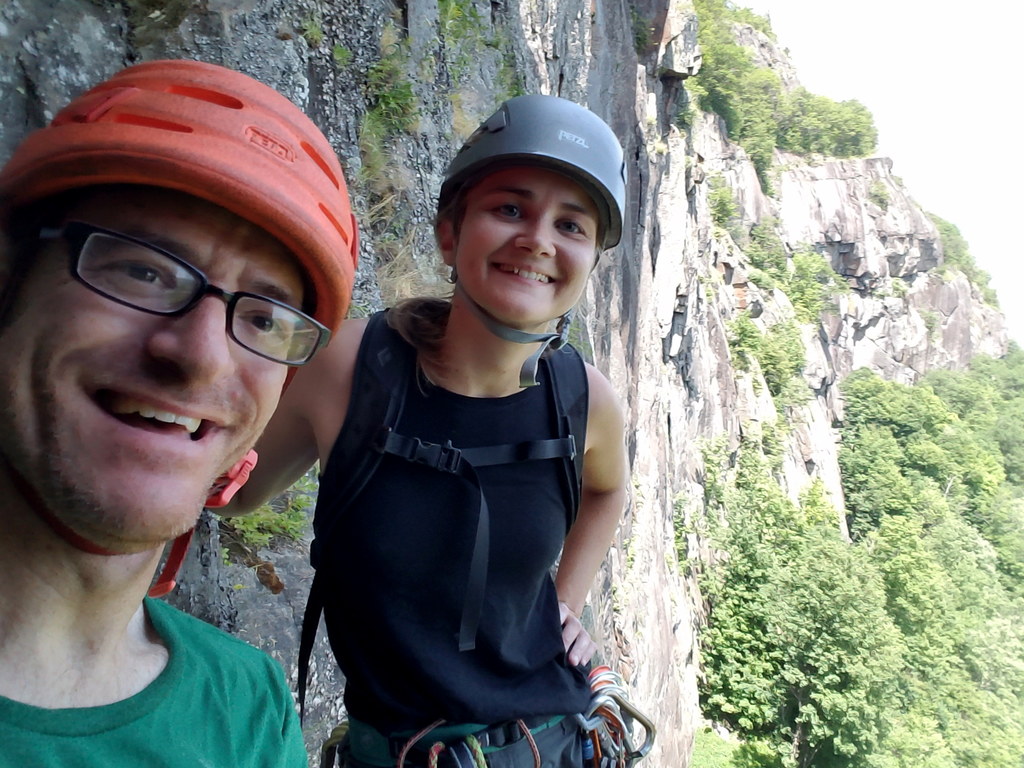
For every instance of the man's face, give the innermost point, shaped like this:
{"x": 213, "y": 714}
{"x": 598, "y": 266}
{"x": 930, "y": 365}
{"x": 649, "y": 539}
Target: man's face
{"x": 121, "y": 420}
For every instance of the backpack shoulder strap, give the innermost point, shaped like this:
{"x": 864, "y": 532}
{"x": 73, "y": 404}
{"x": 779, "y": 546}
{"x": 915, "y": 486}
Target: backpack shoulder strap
{"x": 570, "y": 391}
{"x": 383, "y": 369}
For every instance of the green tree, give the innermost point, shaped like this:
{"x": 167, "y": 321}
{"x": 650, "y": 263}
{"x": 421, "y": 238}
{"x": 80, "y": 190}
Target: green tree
{"x": 904, "y": 648}
{"x": 758, "y": 113}
{"x": 956, "y": 254}
{"x": 873, "y": 484}
{"x": 841, "y": 653}
{"x": 782, "y": 356}
{"x": 811, "y": 285}
{"x": 799, "y": 655}
{"x": 945, "y": 551}
{"x": 722, "y": 203}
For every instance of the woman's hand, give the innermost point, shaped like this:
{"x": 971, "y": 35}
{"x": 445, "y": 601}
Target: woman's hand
{"x": 578, "y": 644}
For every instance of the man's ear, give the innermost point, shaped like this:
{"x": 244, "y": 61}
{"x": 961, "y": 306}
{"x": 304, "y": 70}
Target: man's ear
{"x": 444, "y": 232}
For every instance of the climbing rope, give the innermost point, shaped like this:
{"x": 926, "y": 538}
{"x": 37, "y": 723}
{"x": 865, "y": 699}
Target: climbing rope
{"x": 479, "y": 761}
{"x": 533, "y": 744}
{"x": 400, "y": 763}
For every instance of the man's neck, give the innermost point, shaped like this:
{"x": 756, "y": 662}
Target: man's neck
{"x": 73, "y": 632}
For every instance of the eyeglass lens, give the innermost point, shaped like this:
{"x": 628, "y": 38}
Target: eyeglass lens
{"x": 145, "y": 278}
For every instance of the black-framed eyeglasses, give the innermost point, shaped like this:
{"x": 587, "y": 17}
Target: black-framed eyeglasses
{"x": 140, "y": 275}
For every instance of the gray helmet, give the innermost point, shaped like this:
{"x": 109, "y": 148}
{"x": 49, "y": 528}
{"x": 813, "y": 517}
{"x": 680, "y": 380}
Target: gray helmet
{"x": 554, "y": 133}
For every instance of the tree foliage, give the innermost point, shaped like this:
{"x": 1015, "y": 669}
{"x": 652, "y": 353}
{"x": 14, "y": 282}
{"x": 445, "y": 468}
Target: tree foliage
{"x": 779, "y": 351}
{"x": 956, "y": 254}
{"x": 806, "y": 278}
{"x": 905, "y": 646}
{"x": 758, "y": 112}
{"x": 799, "y": 653}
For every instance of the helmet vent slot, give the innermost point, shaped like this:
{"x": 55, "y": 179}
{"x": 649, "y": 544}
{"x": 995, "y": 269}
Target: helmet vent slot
{"x": 346, "y": 236}
{"x": 321, "y": 163}
{"x": 203, "y": 94}
{"x": 151, "y": 122}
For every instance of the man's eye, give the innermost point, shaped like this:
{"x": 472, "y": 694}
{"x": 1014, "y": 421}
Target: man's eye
{"x": 262, "y": 322}
{"x": 131, "y": 278}
{"x": 144, "y": 273}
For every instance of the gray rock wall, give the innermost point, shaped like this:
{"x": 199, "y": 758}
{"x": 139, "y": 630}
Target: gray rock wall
{"x": 657, "y": 310}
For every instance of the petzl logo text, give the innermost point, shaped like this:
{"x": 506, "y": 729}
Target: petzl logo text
{"x": 566, "y": 136}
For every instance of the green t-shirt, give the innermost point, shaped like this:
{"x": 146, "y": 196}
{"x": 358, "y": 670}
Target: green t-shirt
{"x": 219, "y": 703}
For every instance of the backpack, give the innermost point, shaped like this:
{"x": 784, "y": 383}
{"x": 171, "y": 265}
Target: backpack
{"x": 385, "y": 368}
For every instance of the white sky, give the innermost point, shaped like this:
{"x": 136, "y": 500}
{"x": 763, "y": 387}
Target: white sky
{"x": 942, "y": 80}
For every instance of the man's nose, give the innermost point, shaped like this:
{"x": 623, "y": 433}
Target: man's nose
{"x": 196, "y": 342}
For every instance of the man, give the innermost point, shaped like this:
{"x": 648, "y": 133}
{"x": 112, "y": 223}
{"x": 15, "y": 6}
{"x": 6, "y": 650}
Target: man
{"x": 174, "y": 242}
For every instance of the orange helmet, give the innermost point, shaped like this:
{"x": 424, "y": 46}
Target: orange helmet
{"x": 213, "y": 133}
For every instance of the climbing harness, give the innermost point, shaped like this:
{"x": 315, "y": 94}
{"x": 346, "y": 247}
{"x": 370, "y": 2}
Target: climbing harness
{"x": 608, "y": 724}
{"x": 472, "y": 752}
{"x": 606, "y": 731}
{"x": 440, "y": 745}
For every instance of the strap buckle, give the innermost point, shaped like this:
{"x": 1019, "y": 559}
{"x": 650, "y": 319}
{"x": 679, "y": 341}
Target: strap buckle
{"x": 446, "y": 458}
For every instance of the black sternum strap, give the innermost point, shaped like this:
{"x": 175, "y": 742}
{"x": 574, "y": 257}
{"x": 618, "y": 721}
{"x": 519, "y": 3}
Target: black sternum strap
{"x": 463, "y": 463}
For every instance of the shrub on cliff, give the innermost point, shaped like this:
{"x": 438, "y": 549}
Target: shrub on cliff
{"x": 957, "y": 255}
{"x": 758, "y": 113}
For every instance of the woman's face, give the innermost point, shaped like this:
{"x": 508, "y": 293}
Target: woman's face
{"x": 525, "y": 246}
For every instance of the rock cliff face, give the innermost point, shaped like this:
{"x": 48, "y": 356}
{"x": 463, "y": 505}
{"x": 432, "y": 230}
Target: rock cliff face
{"x": 658, "y": 309}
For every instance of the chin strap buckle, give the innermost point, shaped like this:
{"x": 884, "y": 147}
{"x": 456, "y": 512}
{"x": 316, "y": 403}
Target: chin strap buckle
{"x": 227, "y": 485}
{"x": 221, "y": 493}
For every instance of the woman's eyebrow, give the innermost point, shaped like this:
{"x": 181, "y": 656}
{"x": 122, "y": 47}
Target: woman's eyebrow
{"x": 510, "y": 190}
{"x": 577, "y": 207}
{"x": 530, "y": 194}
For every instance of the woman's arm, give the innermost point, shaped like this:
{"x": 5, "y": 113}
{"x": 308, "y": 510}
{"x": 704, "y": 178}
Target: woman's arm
{"x": 306, "y": 423}
{"x": 601, "y": 501}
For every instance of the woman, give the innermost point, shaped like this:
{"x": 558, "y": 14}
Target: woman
{"x": 438, "y": 600}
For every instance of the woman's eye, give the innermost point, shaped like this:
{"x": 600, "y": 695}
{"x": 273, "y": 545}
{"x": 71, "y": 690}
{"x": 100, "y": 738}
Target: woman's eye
{"x": 508, "y": 209}
{"x": 572, "y": 227}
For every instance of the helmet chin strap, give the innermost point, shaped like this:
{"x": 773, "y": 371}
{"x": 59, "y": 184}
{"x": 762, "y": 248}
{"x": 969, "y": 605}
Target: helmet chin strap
{"x": 528, "y": 373}
{"x": 163, "y": 585}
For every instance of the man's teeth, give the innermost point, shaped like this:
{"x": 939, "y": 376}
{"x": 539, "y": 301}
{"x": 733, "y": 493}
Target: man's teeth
{"x": 148, "y": 412}
{"x": 525, "y": 273}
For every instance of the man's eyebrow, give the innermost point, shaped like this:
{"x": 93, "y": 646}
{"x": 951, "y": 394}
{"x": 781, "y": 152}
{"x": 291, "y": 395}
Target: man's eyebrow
{"x": 169, "y": 244}
{"x": 274, "y": 291}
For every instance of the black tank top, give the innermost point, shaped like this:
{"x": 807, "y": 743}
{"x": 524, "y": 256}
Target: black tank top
{"x": 396, "y": 583}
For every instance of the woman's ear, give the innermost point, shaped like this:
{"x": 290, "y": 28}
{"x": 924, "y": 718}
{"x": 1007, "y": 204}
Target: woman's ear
{"x": 445, "y": 234}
